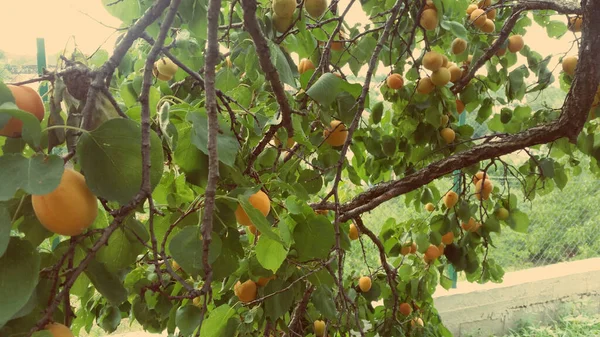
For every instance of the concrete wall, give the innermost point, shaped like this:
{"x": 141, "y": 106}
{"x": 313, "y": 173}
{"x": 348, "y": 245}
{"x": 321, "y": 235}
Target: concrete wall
{"x": 536, "y": 294}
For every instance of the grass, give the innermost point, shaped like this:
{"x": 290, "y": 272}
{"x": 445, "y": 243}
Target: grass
{"x": 568, "y": 326}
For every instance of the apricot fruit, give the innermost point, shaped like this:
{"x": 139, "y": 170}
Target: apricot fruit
{"x": 488, "y": 26}
{"x": 28, "y": 100}
{"x": 245, "y": 292}
{"x": 260, "y": 201}
{"x": 164, "y": 69}
{"x": 569, "y": 64}
{"x": 353, "y": 232}
{"x": 448, "y": 238}
{"x": 319, "y": 328}
{"x": 429, "y": 19}
{"x": 455, "y": 73}
{"x": 450, "y": 199}
{"x": 502, "y": 213}
{"x": 336, "y": 134}
{"x": 405, "y": 309}
{"x": 395, "y": 81}
{"x": 458, "y": 46}
{"x": 575, "y": 24}
{"x": 364, "y": 283}
{"x": 282, "y": 23}
{"x": 305, "y": 65}
{"x": 315, "y": 8}
{"x": 429, "y": 207}
{"x": 68, "y": 210}
{"x": 425, "y": 86}
{"x": 460, "y": 106}
{"x": 478, "y": 18}
{"x": 483, "y": 189}
{"x": 432, "y": 61}
{"x": 471, "y": 8}
{"x": 448, "y": 135}
{"x": 264, "y": 280}
{"x": 284, "y": 8}
{"x": 59, "y": 330}
{"x": 440, "y": 77}
{"x": 515, "y": 43}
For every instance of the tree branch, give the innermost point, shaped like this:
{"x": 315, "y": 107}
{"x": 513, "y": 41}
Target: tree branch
{"x": 212, "y": 55}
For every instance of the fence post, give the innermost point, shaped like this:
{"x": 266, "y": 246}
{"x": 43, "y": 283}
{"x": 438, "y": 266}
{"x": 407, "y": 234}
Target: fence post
{"x": 456, "y": 187}
{"x": 41, "y": 64}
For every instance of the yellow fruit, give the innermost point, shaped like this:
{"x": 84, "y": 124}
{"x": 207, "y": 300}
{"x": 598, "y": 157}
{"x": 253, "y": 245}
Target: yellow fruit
{"x": 460, "y": 106}
{"x": 515, "y": 43}
{"x": 253, "y": 230}
{"x": 575, "y": 24}
{"x": 281, "y": 23}
{"x": 478, "y": 18}
{"x": 478, "y": 176}
{"x": 260, "y": 201}
{"x": 425, "y": 86}
{"x": 432, "y": 61}
{"x": 458, "y": 46}
{"x": 488, "y": 26}
{"x": 471, "y": 226}
{"x": 484, "y": 3}
{"x": 264, "y": 280}
{"x": 336, "y": 134}
{"x": 405, "y": 250}
{"x": 165, "y": 67}
{"x": 455, "y": 73}
{"x": 444, "y": 120}
{"x": 468, "y": 60}
{"x": 430, "y": 5}
{"x": 319, "y": 327}
{"x": 502, "y": 213}
{"x": 448, "y": 238}
{"x": 417, "y": 321}
{"x": 429, "y": 207}
{"x": 68, "y": 210}
{"x": 413, "y": 248}
{"x": 246, "y": 292}
{"x": 450, "y": 199}
{"x": 353, "y": 232}
{"x": 284, "y": 8}
{"x": 405, "y": 309}
{"x": 315, "y": 8}
{"x": 448, "y": 134}
{"x": 364, "y": 283}
{"x": 197, "y": 301}
{"x": 28, "y": 100}
{"x": 569, "y": 64}
{"x": 440, "y": 77}
{"x": 395, "y": 81}
{"x": 305, "y": 65}
{"x": 483, "y": 189}
{"x": 432, "y": 252}
{"x": 429, "y": 19}
{"x": 59, "y": 330}
{"x": 445, "y": 61}
{"x": 491, "y": 14}
{"x": 440, "y": 248}
{"x": 471, "y": 8}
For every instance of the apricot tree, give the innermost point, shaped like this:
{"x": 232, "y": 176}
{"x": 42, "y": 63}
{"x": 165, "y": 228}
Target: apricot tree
{"x": 209, "y": 176}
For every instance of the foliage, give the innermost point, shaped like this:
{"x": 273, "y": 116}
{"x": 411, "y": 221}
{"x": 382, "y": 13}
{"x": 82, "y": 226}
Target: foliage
{"x": 175, "y": 159}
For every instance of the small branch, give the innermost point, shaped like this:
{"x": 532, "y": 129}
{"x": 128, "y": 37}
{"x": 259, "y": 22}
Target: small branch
{"x": 299, "y": 312}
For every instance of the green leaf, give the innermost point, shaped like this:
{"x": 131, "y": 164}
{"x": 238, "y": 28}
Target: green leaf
{"x": 322, "y": 298}
{"x": 186, "y": 249}
{"x": 226, "y": 80}
{"x": 107, "y": 283}
{"x": 36, "y": 175}
{"x": 314, "y": 238}
{"x": 188, "y": 319}
{"x": 32, "y": 130}
{"x": 120, "y": 251}
{"x": 6, "y": 96}
{"x": 19, "y": 268}
{"x": 518, "y": 221}
{"x": 5, "y": 225}
{"x": 377, "y": 112}
{"x": 111, "y": 158}
{"x": 282, "y": 65}
{"x": 42, "y": 333}
{"x": 109, "y": 319}
{"x": 227, "y": 145}
{"x": 485, "y": 111}
{"x": 325, "y": 89}
{"x": 216, "y": 323}
{"x": 556, "y": 28}
{"x": 126, "y": 10}
{"x": 455, "y": 28}
{"x": 277, "y": 305}
{"x": 270, "y": 253}
{"x": 547, "y": 167}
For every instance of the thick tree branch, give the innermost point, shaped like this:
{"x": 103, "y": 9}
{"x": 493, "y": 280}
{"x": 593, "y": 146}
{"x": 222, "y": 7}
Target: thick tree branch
{"x": 212, "y": 55}
{"x": 264, "y": 57}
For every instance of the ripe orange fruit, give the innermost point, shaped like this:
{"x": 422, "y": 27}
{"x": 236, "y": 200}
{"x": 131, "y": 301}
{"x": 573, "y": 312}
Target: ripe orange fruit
{"x": 353, "y": 232}
{"x": 440, "y": 248}
{"x": 413, "y": 248}
{"x": 264, "y": 280}
{"x": 483, "y": 189}
{"x": 405, "y": 250}
{"x": 429, "y": 19}
{"x": 425, "y": 86}
{"x": 260, "y": 201}
{"x": 448, "y": 238}
{"x": 319, "y": 327}
{"x": 429, "y": 207}
{"x": 59, "y": 330}
{"x": 478, "y": 176}
{"x": 432, "y": 61}
{"x": 253, "y": 230}
{"x": 458, "y": 46}
{"x": 417, "y": 321}
{"x": 575, "y": 24}
{"x": 246, "y": 292}
{"x": 471, "y": 225}
{"x": 440, "y": 77}
{"x": 288, "y": 144}
{"x": 364, "y": 283}
{"x": 515, "y": 43}
{"x": 335, "y": 135}
{"x": 305, "y": 65}
{"x": 488, "y": 26}
{"x": 68, "y": 210}
{"x": 405, "y": 309}
{"x": 450, "y": 199}
{"x": 430, "y": 5}
{"x": 455, "y": 73}
{"x": 478, "y": 18}
{"x": 484, "y": 3}
{"x": 491, "y": 14}
{"x": 27, "y": 100}
{"x": 471, "y": 8}
{"x": 395, "y": 81}
{"x": 432, "y": 252}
